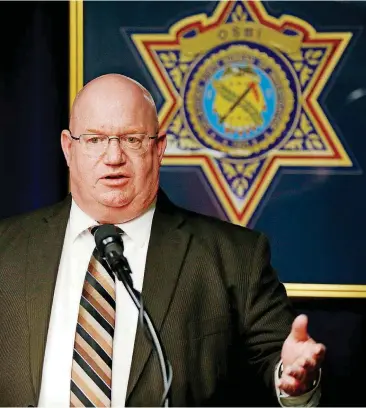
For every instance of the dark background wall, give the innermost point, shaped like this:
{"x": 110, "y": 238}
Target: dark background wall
{"x": 33, "y": 103}
{"x": 34, "y": 109}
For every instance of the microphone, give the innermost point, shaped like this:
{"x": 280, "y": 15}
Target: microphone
{"x": 110, "y": 246}
{"x": 108, "y": 241}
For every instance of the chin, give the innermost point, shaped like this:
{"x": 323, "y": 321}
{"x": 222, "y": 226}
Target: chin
{"x": 114, "y": 199}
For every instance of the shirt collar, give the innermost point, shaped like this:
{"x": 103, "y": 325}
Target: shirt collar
{"x": 137, "y": 229}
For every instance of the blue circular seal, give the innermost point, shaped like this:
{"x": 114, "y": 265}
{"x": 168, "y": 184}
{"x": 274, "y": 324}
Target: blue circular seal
{"x": 242, "y": 99}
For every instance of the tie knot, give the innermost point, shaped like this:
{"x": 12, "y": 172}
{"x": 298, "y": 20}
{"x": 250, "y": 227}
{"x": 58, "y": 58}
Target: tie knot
{"x": 119, "y": 230}
{"x": 94, "y": 228}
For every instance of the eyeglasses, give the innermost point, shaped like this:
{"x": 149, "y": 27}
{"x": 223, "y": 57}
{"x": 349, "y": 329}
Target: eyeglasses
{"x": 132, "y": 144}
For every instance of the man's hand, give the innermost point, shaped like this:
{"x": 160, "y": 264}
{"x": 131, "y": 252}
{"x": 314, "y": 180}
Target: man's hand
{"x": 301, "y": 359}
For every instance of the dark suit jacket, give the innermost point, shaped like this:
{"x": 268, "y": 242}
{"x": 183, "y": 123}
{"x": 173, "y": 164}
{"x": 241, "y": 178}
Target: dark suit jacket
{"x": 208, "y": 287}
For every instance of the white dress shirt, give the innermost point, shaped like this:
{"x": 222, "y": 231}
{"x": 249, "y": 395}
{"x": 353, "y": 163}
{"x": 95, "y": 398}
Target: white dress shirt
{"x": 77, "y": 249}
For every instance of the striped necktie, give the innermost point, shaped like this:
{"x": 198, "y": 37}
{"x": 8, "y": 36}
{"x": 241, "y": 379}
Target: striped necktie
{"x": 91, "y": 374}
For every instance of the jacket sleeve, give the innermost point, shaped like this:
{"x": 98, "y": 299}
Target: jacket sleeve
{"x": 267, "y": 316}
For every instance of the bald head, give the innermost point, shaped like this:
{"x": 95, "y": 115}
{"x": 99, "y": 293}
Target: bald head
{"x": 111, "y": 94}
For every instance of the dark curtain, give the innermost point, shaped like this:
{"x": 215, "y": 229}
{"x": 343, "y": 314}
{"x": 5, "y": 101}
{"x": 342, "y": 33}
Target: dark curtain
{"x": 33, "y": 104}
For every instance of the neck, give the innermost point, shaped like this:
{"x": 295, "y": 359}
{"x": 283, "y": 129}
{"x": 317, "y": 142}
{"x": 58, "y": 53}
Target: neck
{"x": 114, "y": 215}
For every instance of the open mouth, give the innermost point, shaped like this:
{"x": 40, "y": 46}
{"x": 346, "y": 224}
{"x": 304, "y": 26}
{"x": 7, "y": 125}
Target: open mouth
{"x": 115, "y": 180}
{"x": 116, "y": 177}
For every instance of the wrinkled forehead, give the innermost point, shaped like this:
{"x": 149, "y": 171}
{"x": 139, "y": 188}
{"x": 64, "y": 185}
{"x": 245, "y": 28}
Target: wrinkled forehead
{"x": 115, "y": 112}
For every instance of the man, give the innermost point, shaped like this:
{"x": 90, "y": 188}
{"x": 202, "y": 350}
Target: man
{"x": 70, "y": 337}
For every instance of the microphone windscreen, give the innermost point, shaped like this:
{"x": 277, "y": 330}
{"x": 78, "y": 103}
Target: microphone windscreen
{"x": 102, "y": 233}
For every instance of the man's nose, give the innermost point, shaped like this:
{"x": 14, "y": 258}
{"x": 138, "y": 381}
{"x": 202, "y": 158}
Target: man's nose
{"x": 114, "y": 153}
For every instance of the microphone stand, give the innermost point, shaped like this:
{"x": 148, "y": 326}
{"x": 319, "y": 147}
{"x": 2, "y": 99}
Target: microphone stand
{"x": 121, "y": 269}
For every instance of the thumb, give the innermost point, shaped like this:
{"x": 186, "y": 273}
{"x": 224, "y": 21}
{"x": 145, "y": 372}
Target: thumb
{"x": 299, "y": 331}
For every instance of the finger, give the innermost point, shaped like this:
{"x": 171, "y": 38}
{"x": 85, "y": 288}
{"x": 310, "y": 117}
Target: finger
{"x": 303, "y": 362}
{"x": 319, "y": 351}
{"x": 290, "y": 385}
{"x": 315, "y": 348}
{"x": 314, "y": 355}
{"x": 312, "y": 351}
{"x": 303, "y": 368}
{"x": 299, "y": 328}
{"x": 319, "y": 356}
{"x": 297, "y": 371}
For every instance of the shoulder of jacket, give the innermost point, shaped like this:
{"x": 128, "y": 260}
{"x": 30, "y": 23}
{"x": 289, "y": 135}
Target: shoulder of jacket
{"x": 30, "y": 219}
{"x": 215, "y": 228}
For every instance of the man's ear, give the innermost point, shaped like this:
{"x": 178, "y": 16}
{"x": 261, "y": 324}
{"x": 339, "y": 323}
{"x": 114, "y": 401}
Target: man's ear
{"x": 66, "y": 144}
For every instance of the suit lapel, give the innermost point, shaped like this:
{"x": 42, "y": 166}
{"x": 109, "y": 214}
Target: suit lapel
{"x": 44, "y": 251}
{"x": 167, "y": 248}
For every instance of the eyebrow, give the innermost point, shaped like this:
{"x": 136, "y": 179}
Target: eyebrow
{"x": 93, "y": 131}
{"x": 131, "y": 130}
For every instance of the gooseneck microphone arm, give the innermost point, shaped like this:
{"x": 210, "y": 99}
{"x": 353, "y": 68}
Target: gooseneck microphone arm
{"x": 110, "y": 246}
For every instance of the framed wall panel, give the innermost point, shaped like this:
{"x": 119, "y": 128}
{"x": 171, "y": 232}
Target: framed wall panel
{"x": 264, "y": 105}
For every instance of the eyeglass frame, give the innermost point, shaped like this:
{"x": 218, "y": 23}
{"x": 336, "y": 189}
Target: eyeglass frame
{"x": 115, "y": 137}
